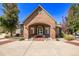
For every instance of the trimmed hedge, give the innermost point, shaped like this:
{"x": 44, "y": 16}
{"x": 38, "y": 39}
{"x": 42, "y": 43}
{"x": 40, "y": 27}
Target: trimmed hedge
{"x": 69, "y": 37}
{"x": 21, "y": 39}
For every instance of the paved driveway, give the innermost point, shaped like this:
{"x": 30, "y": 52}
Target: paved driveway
{"x": 40, "y": 48}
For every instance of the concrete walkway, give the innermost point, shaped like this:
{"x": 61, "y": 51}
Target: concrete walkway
{"x": 39, "y": 48}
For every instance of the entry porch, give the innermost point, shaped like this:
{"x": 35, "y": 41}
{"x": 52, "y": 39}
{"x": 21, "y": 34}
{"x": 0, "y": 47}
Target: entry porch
{"x": 39, "y": 30}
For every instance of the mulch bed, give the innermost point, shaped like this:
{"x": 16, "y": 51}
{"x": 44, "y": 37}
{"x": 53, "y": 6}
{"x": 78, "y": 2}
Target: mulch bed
{"x": 5, "y": 41}
{"x": 39, "y": 39}
{"x": 74, "y": 42}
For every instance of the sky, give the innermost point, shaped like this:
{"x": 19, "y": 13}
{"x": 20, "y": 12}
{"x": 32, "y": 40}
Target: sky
{"x": 56, "y": 10}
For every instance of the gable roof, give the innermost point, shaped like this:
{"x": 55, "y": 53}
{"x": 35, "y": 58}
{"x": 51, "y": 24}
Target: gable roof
{"x": 26, "y": 20}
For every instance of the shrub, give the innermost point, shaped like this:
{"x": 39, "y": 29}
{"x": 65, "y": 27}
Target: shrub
{"x": 17, "y": 35}
{"x": 68, "y": 37}
{"x": 6, "y": 36}
{"x": 21, "y": 39}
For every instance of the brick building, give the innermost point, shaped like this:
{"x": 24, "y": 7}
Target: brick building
{"x": 39, "y": 24}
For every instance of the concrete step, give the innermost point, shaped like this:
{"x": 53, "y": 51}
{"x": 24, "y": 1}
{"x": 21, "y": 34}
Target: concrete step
{"x": 40, "y": 39}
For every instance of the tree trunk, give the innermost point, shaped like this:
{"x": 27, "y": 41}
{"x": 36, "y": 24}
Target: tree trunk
{"x": 11, "y": 33}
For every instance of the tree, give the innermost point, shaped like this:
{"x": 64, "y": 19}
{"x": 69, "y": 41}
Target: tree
{"x": 9, "y": 20}
{"x": 73, "y": 18}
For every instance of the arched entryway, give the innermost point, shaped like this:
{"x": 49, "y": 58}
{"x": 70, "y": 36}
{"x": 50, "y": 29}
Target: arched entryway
{"x": 39, "y": 30}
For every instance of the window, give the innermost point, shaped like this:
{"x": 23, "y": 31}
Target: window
{"x": 46, "y": 30}
{"x": 32, "y": 30}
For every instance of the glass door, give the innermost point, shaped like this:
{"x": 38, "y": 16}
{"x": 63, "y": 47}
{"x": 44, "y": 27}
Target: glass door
{"x": 39, "y": 30}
